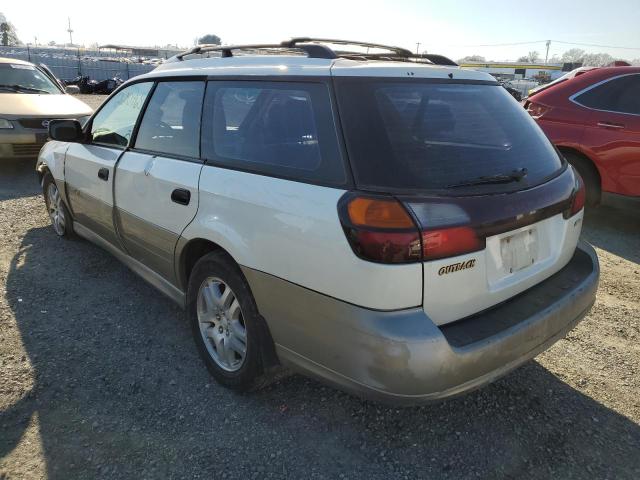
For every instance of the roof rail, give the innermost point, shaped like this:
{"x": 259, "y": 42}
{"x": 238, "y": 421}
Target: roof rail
{"x": 305, "y": 40}
{"x": 315, "y": 48}
{"x": 312, "y": 50}
{"x": 438, "y": 59}
{"x": 397, "y": 53}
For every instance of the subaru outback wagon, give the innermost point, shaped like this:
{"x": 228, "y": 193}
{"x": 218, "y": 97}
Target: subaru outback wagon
{"x": 400, "y": 229}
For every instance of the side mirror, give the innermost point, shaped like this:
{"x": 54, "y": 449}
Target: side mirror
{"x": 65, "y": 130}
{"x": 72, "y": 89}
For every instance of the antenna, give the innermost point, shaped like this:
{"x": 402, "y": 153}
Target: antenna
{"x": 70, "y": 30}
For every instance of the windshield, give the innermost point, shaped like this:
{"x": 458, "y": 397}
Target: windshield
{"x": 415, "y": 136}
{"x": 20, "y": 78}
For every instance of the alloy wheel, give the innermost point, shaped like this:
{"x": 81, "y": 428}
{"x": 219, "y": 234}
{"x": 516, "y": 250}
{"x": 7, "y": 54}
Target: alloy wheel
{"x": 56, "y": 209}
{"x": 222, "y": 324}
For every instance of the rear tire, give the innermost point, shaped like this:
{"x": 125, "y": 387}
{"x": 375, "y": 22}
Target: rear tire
{"x": 226, "y": 325}
{"x": 589, "y": 176}
{"x": 58, "y": 212}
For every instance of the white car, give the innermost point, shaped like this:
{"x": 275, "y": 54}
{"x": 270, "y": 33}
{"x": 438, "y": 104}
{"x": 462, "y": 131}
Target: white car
{"x": 400, "y": 229}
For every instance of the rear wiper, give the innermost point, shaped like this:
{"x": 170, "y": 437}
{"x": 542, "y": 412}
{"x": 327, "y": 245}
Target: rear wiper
{"x": 514, "y": 176}
{"x": 22, "y": 88}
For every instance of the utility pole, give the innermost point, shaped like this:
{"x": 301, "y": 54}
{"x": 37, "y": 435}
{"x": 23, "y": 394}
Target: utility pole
{"x": 546, "y": 57}
{"x": 417, "y": 48}
{"x": 70, "y": 30}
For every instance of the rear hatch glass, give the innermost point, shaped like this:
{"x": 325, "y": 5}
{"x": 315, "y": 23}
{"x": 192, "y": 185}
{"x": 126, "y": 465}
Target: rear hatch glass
{"x": 421, "y": 135}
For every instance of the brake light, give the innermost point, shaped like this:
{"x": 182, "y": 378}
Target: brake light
{"x": 579, "y": 196}
{"x": 449, "y": 242}
{"x": 381, "y": 229}
{"x": 537, "y": 110}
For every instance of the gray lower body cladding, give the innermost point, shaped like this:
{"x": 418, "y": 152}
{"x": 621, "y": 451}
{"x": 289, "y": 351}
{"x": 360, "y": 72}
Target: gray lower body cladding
{"x": 402, "y": 357}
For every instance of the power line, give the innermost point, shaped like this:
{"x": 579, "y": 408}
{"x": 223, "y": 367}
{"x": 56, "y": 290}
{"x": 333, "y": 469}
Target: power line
{"x": 510, "y": 44}
{"x": 596, "y": 45}
{"x": 501, "y": 44}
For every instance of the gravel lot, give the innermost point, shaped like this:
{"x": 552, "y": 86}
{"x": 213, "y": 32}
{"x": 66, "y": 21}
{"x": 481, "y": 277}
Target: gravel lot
{"x": 99, "y": 378}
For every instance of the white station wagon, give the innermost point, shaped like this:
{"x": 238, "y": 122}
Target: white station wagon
{"x": 397, "y": 227}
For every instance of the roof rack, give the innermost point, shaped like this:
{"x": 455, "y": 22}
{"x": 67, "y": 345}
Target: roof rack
{"x": 312, "y": 50}
{"x": 316, "y": 48}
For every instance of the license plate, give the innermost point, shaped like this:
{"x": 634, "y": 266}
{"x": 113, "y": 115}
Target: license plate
{"x": 520, "y": 250}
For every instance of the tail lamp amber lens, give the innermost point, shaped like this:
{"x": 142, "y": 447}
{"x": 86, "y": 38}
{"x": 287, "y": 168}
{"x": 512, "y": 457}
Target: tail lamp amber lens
{"x": 377, "y": 213}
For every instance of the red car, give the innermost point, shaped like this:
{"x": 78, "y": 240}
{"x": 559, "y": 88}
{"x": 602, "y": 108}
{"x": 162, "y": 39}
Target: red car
{"x": 593, "y": 117}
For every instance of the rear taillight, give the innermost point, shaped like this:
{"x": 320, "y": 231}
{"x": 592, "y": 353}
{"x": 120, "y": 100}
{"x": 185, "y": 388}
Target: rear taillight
{"x": 449, "y": 242}
{"x": 537, "y": 110}
{"x": 381, "y": 229}
{"x": 579, "y": 196}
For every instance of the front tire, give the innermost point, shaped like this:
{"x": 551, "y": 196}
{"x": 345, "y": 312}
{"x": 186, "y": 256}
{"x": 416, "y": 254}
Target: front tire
{"x": 56, "y": 209}
{"x": 225, "y": 322}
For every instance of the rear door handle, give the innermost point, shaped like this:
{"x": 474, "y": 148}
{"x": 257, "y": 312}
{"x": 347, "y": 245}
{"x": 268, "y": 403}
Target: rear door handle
{"x": 610, "y": 125}
{"x": 181, "y": 196}
{"x": 103, "y": 174}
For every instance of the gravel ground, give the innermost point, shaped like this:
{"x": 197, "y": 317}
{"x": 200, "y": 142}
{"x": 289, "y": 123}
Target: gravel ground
{"x": 99, "y": 378}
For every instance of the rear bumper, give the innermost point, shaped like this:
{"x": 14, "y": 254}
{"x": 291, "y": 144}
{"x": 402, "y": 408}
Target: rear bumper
{"x": 402, "y": 357}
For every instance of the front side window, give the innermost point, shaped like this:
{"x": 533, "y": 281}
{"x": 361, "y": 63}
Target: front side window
{"x": 171, "y": 122}
{"x": 621, "y": 95}
{"x": 277, "y": 128}
{"x": 114, "y": 123}
{"x": 20, "y": 78}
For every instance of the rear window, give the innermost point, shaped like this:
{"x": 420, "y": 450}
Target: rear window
{"x": 171, "y": 122}
{"x": 285, "y": 129}
{"x": 621, "y": 94}
{"x": 418, "y": 136}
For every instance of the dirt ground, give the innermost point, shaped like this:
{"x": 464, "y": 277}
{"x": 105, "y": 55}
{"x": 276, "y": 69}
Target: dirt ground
{"x": 99, "y": 378}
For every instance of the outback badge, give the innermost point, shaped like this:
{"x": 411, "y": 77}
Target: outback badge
{"x": 454, "y": 267}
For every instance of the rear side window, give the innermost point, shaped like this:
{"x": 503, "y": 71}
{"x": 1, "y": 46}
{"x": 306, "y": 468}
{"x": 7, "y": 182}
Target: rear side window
{"x": 621, "y": 95}
{"x": 415, "y": 136}
{"x": 275, "y": 128}
{"x": 171, "y": 122}
{"x": 113, "y": 124}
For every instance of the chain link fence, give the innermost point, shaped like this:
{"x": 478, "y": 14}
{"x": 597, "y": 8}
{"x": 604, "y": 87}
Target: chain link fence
{"x": 69, "y": 63}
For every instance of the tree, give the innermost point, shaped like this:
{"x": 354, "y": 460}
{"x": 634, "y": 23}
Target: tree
{"x": 8, "y": 34}
{"x": 597, "y": 59}
{"x": 210, "y": 39}
{"x": 575, "y": 55}
{"x": 472, "y": 58}
{"x": 530, "y": 57}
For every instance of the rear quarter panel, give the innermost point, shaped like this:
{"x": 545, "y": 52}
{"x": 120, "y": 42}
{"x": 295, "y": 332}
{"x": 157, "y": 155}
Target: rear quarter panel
{"x": 291, "y": 230}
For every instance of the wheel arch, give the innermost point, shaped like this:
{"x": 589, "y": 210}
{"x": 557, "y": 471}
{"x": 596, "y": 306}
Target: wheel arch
{"x": 41, "y": 170}
{"x": 585, "y": 162}
{"x": 187, "y": 254}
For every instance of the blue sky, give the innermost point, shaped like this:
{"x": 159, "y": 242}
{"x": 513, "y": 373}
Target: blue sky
{"x": 453, "y": 28}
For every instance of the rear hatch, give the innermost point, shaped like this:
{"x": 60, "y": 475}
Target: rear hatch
{"x": 496, "y": 207}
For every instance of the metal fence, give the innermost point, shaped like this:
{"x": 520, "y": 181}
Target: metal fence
{"x": 67, "y": 63}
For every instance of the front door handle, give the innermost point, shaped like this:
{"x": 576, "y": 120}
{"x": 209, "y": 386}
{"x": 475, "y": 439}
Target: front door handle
{"x": 103, "y": 174}
{"x": 610, "y": 125}
{"x": 181, "y": 196}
